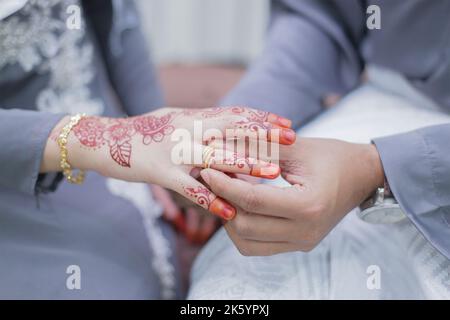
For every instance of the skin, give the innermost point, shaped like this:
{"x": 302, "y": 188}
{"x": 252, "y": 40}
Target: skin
{"x": 328, "y": 179}
{"x": 138, "y": 149}
{"x": 191, "y": 221}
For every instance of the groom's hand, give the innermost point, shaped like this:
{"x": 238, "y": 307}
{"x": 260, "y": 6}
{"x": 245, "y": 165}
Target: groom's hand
{"x": 328, "y": 177}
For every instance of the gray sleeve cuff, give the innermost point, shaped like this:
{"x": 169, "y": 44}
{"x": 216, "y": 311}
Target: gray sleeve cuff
{"x": 417, "y": 167}
{"x": 23, "y": 136}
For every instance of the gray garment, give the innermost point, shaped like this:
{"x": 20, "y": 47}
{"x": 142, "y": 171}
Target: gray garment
{"x": 317, "y": 47}
{"x": 48, "y": 72}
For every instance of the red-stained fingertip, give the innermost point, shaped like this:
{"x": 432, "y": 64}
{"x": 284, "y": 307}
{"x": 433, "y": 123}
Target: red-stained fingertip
{"x": 282, "y": 136}
{"x": 222, "y": 209}
{"x": 266, "y": 170}
{"x": 287, "y": 137}
{"x": 276, "y": 119}
{"x": 285, "y": 122}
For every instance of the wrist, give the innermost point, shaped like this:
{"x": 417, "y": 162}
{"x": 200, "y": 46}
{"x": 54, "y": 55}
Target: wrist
{"x": 376, "y": 171}
{"x": 83, "y": 152}
{"x": 52, "y": 155}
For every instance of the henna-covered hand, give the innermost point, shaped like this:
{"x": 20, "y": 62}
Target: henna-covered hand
{"x": 116, "y": 134}
{"x": 140, "y": 149}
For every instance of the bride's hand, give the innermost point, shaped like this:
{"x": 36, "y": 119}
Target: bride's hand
{"x": 140, "y": 148}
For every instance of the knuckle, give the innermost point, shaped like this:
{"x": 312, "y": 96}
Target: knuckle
{"x": 250, "y": 200}
{"x": 242, "y": 227}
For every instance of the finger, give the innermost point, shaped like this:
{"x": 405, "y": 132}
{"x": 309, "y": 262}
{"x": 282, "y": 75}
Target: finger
{"x": 260, "y": 248}
{"x": 282, "y": 135}
{"x": 230, "y": 162}
{"x": 258, "y": 115}
{"x": 195, "y": 191}
{"x": 279, "y": 120}
{"x": 260, "y": 198}
{"x": 262, "y": 131}
{"x": 249, "y": 148}
{"x": 263, "y": 228}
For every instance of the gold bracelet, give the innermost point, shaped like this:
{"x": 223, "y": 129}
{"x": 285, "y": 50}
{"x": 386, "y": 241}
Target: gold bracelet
{"x": 62, "y": 142}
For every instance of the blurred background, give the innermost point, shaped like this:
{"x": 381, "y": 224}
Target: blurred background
{"x": 201, "y": 47}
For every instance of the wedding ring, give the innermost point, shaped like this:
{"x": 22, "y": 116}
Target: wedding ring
{"x": 207, "y": 156}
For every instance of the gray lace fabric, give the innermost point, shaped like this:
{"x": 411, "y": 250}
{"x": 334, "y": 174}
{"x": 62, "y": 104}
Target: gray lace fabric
{"x": 111, "y": 229}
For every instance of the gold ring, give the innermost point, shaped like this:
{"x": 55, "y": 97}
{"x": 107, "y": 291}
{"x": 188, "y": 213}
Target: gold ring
{"x": 207, "y": 156}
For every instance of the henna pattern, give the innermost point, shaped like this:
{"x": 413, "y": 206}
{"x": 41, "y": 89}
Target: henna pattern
{"x": 96, "y": 132}
{"x": 93, "y": 132}
{"x": 212, "y": 112}
{"x": 251, "y": 114}
{"x": 234, "y": 160}
{"x": 201, "y": 194}
{"x": 154, "y": 128}
{"x": 118, "y": 137}
{"x": 90, "y": 132}
{"x": 252, "y": 125}
{"x": 258, "y": 116}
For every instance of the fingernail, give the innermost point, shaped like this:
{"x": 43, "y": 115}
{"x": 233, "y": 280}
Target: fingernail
{"x": 205, "y": 176}
{"x": 284, "y": 122}
{"x": 288, "y": 136}
{"x": 222, "y": 209}
{"x": 273, "y": 118}
{"x": 265, "y": 170}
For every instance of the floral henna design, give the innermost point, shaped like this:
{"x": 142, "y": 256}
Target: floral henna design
{"x": 118, "y": 137}
{"x": 234, "y": 160}
{"x": 117, "y": 134}
{"x": 90, "y": 132}
{"x": 253, "y": 125}
{"x": 206, "y": 199}
{"x": 258, "y": 116}
{"x": 213, "y": 112}
{"x": 252, "y": 115}
{"x": 202, "y": 195}
{"x": 254, "y": 167}
{"x": 154, "y": 128}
